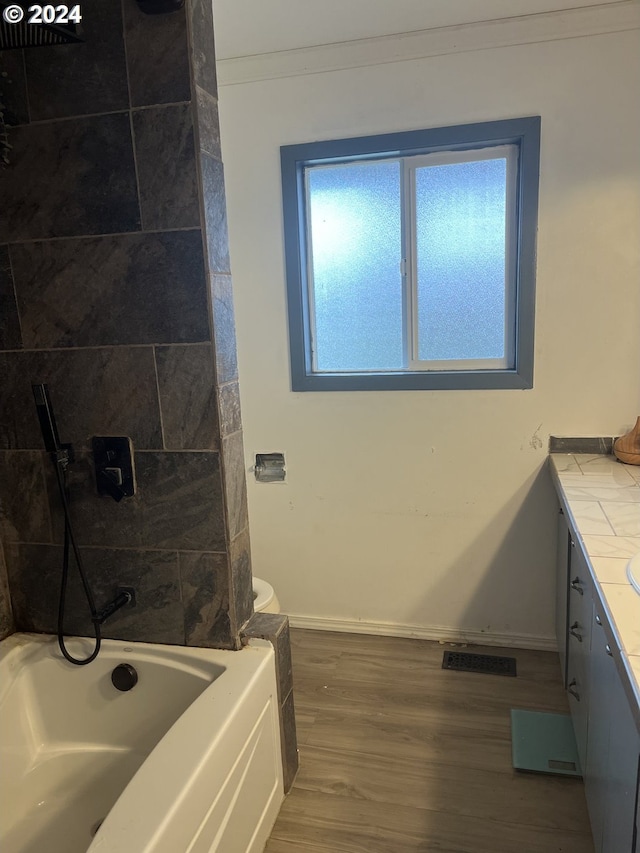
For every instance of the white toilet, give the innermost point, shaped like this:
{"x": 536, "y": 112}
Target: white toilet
{"x": 264, "y": 598}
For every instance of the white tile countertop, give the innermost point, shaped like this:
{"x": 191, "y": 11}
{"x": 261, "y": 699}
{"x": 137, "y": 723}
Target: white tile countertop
{"x": 602, "y": 498}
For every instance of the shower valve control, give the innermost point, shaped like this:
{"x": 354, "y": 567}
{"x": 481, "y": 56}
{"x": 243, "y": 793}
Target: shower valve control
{"x": 113, "y": 460}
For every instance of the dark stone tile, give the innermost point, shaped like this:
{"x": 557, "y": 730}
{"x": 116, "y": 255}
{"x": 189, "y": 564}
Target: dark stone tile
{"x": 7, "y": 625}
{"x": 595, "y": 445}
{"x": 275, "y": 628}
{"x": 187, "y": 397}
{"x": 235, "y": 485}
{"x": 241, "y": 597}
{"x": 93, "y": 392}
{"x": 24, "y": 505}
{"x": 205, "y": 597}
{"x": 35, "y": 572}
{"x": 157, "y": 616}
{"x": 215, "y": 214}
{"x": 13, "y": 89}
{"x": 177, "y": 505}
{"x": 284, "y": 668}
{"x": 82, "y": 78}
{"x": 10, "y": 335}
{"x": 203, "y": 55}
{"x": 289, "y": 742}
{"x": 165, "y": 155}
{"x": 145, "y": 288}
{"x": 70, "y": 178}
{"x": 157, "y": 56}
{"x": 34, "y": 580}
{"x": 208, "y": 123}
{"x": 266, "y": 626}
{"x": 230, "y": 416}
{"x": 224, "y": 329}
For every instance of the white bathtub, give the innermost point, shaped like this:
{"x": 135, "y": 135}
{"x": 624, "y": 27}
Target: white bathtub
{"x": 188, "y": 761}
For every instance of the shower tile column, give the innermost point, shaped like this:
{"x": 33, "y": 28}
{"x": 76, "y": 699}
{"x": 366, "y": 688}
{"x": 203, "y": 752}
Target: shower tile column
{"x": 214, "y": 226}
{"x": 115, "y": 290}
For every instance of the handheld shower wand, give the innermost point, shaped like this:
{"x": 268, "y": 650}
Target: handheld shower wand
{"x": 60, "y": 459}
{"x": 61, "y": 455}
{"x": 47, "y": 419}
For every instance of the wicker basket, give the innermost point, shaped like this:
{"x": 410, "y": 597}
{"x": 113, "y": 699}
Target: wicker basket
{"x": 627, "y": 447}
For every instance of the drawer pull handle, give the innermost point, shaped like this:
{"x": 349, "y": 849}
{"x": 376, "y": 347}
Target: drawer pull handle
{"x": 574, "y": 693}
{"x": 598, "y": 620}
{"x": 607, "y": 649}
{"x": 574, "y": 633}
{"x": 575, "y": 584}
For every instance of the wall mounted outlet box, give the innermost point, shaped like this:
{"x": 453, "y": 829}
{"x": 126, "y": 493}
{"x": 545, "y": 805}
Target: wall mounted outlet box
{"x": 113, "y": 461}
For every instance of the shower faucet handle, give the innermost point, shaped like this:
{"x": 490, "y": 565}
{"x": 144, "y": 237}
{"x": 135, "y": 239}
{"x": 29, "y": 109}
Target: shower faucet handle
{"x": 108, "y": 482}
{"x": 113, "y": 461}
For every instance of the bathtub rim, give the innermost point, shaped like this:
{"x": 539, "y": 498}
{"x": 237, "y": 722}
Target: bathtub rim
{"x": 22, "y": 647}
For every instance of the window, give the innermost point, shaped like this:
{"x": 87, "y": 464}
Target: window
{"x": 411, "y": 258}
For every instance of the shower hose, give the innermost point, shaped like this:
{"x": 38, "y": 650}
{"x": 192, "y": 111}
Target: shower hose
{"x": 60, "y": 461}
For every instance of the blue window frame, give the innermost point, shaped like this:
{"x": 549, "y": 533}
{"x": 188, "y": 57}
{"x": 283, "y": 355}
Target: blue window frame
{"x": 410, "y": 258}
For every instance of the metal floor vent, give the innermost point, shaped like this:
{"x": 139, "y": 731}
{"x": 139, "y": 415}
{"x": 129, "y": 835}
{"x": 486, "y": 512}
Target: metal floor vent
{"x": 485, "y": 664}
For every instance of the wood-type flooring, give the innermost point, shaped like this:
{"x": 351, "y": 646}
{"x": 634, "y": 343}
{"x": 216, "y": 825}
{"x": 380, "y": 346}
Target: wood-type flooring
{"x": 398, "y": 755}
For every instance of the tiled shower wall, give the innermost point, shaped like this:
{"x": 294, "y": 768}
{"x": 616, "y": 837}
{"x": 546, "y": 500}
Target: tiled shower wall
{"x": 115, "y": 290}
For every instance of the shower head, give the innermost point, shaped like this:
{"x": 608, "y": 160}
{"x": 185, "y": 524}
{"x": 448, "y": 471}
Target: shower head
{"x": 47, "y": 419}
{"x": 25, "y": 34}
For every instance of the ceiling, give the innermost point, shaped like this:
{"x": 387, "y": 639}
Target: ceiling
{"x": 247, "y": 27}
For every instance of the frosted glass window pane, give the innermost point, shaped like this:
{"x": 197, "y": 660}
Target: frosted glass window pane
{"x": 460, "y": 239}
{"x": 356, "y": 248}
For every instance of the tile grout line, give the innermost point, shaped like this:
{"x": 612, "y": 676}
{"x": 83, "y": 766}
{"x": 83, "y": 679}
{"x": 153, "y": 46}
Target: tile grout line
{"x": 134, "y": 233}
{"x": 142, "y": 548}
{"x": 130, "y": 115}
{"x": 84, "y": 450}
{"x": 15, "y": 297}
{"x": 106, "y": 347}
{"x": 26, "y": 85}
{"x": 184, "y": 615}
{"x": 83, "y": 116}
{"x": 162, "y": 430}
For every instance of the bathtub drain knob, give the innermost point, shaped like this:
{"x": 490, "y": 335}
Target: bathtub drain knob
{"x": 124, "y": 677}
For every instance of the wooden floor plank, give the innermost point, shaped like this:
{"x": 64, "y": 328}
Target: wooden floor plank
{"x": 397, "y": 754}
{"x": 348, "y": 825}
{"x": 501, "y": 796}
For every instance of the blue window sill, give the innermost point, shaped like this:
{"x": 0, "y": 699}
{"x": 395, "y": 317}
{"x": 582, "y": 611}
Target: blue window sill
{"x": 413, "y": 381}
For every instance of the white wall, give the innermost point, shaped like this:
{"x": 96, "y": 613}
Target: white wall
{"x": 246, "y": 27}
{"x": 432, "y": 512}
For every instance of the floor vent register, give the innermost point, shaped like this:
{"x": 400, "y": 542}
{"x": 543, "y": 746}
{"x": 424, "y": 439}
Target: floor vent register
{"x": 484, "y": 664}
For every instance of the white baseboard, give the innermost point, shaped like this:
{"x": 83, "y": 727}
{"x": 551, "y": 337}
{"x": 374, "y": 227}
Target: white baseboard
{"x": 418, "y": 632}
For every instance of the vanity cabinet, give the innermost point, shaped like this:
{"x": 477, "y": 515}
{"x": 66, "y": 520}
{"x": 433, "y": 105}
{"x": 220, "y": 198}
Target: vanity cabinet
{"x": 611, "y": 777}
{"x": 562, "y": 591}
{"x": 579, "y": 617}
{"x": 602, "y": 676}
{"x": 623, "y": 775}
{"x": 607, "y": 737}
